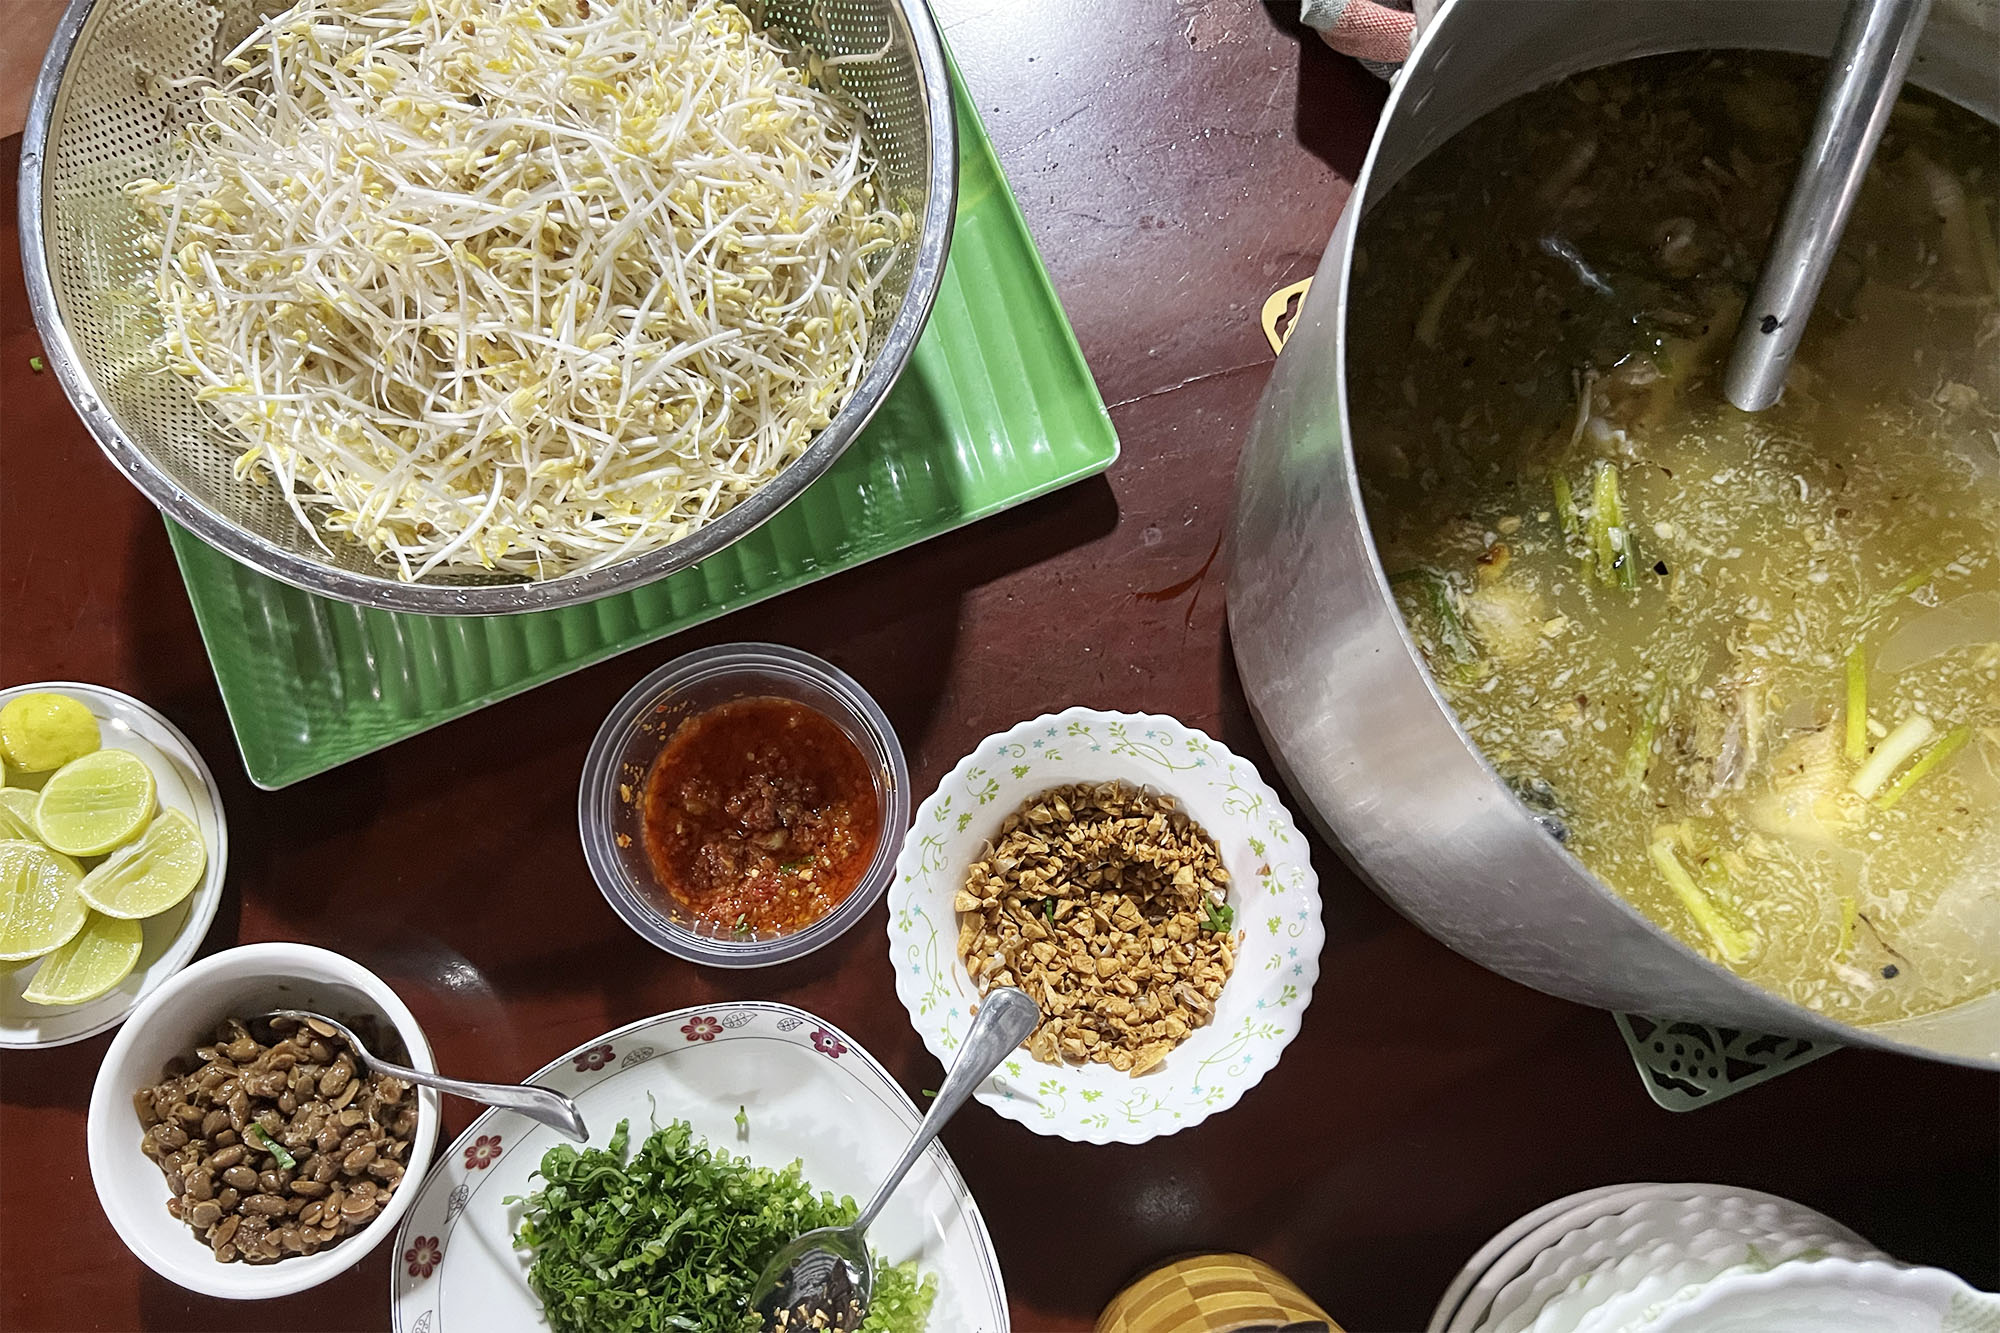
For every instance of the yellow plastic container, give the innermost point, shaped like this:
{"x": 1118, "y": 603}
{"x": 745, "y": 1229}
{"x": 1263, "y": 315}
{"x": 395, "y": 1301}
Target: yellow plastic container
{"x": 1214, "y": 1293}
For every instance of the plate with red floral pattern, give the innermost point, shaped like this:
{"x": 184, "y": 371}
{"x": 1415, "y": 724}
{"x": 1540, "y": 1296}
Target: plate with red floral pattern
{"x": 807, "y": 1093}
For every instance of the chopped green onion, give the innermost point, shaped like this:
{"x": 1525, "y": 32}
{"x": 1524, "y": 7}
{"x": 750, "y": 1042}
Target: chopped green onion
{"x": 1912, "y": 583}
{"x": 671, "y": 1235}
{"x": 1566, "y": 510}
{"x": 1909, "y": 585}
{"x": 271, "y": 1146}
{"x": 1639, "y": 756}
{"x": 1610, "y": 537}
{"x": 1857, "y": 704}
{"x": 1954, "y": 740}
{"x": 36, "y": 364}
{"x": 1734, "y": 944}
{"x": 1900, "y": 744}
{"x": 1442, "y": 603}
{"x": 1848, "y": 912}
{"x": 1220, "y": 917}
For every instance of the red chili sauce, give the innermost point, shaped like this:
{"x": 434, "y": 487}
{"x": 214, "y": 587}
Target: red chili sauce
{"x": 760, "y": 816}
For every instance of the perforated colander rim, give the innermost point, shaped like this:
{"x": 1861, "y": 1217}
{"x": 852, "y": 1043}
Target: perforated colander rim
{"x": 385, "y": 592}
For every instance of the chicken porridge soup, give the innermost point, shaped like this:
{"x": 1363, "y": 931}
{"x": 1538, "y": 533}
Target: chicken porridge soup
{"x": 1747, "y": 667}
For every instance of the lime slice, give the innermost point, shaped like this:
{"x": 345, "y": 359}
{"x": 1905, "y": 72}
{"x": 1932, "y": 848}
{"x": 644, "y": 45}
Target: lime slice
{"x": 17, "y": 815}
{"x": 100, "y": 956}
{"x": 39, "y": 907}
{"x": 43, "y": 731}
{"x": 152, "y": 874}
{"x": 95, "y": 803}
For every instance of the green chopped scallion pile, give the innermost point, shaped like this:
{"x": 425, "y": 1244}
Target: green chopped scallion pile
{"x": 673, "y": 1238}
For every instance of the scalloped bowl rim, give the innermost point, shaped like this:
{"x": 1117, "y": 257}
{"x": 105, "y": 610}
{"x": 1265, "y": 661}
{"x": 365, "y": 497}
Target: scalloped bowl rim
{"x": 1887, "y": 1277}
{"x": 1024, "y": 1110}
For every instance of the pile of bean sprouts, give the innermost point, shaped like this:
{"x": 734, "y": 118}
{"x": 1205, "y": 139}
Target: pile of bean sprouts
{"x": 530, "y": 286}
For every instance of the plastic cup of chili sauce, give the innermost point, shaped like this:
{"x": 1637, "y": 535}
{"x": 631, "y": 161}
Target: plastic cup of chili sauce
{"x": 744, "y": 805}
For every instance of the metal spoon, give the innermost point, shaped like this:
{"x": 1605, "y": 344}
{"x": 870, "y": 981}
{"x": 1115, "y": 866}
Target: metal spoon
{"x": 550, "y": 1108}
{"x": 829, "y": 1270}
{"x": 1877, "y": 40}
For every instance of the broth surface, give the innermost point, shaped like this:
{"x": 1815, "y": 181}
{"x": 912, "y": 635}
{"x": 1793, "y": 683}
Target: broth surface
{"x": 1656, "y": 614}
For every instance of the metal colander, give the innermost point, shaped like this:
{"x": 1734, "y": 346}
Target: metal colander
{"x": 105, "y": 112}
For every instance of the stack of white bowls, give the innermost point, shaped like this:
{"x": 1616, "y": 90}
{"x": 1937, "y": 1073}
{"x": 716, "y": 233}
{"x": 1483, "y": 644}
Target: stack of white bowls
{"x": 1698, "y": 1259}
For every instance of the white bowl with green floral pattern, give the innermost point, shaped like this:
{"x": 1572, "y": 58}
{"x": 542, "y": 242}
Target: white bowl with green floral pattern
{"x": 1272, "y": 888}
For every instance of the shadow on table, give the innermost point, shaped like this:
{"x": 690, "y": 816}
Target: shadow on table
{"x": 349, "y": 1301}
{"x": 1338, "y": 100}
{"x": 893, "y": 625}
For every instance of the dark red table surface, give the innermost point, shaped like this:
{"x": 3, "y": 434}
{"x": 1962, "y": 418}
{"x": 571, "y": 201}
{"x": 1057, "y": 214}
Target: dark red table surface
{"x": 1177, "y": 161}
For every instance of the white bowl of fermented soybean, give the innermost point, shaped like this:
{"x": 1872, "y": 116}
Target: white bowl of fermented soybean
{"x": 183, "y": 1014}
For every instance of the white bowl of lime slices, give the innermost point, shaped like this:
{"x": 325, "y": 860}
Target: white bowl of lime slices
{"x": 124, "y": 826}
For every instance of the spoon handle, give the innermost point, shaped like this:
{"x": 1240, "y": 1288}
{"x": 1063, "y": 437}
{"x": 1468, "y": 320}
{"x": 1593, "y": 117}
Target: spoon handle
{"x": 1006, "y": 1017}
{"x": 1878, "y": 38}
{"x": 549, "y": 1108}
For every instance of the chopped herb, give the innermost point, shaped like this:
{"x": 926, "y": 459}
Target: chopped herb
{"x": 673, "y": 1237}
{"x": 901, "y": 1301}
{"x": 1566, "y": 510}
{"x": 1914, "y": 582}
{"x": 1909, "y": 736}
{"x": 1438, "y": 597}
{"x": 742, "y": 926}
{"x": 271, "y": 1146}
{"x": 1220, "y": 916}
{"x": 1049, "y": 909}
{"x": 1848, "y": 912}
{"x": 1610, "y": 535}
{"x": 1857, "y": 704}
{"x": 742, "y": 1122}
{"x": 36, "y": 364}
{"x": 1954, "y": 740}
{"x": 1733, "y": 943}
{"x": 1639, "y": 755}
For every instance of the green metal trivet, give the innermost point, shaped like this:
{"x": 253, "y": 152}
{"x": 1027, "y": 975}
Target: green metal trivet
{"x": 995, "y": 408}
{"x": 1687, "y": 1065}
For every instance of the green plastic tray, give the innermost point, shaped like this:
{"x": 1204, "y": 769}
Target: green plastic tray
{"x": 996, "y": 407}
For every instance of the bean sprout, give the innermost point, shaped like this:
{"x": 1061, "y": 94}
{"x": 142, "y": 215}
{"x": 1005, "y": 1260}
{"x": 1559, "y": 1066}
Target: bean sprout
{"x": 530, "y": 286}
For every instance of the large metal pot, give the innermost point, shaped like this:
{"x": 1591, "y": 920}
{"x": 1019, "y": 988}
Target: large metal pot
{"x": 1336, "y": 684}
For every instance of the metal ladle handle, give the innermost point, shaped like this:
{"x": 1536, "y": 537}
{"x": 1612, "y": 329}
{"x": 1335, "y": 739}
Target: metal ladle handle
{"x": 1006, "y": 1017}
{"x": 1877, "y": 40}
